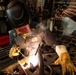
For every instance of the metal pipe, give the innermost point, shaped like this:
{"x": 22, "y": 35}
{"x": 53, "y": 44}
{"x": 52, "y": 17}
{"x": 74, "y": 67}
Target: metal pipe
{"x": 69, "y": 9}
{"x": 72, "y": 7}
{"x": 64, "y": 13}
{"x": 70, "y": 12}
{"x": 41, "y": 63}
{"x": 72, "y": 2}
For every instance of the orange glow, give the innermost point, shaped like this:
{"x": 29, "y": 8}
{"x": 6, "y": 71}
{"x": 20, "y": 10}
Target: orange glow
{"x": 34, "y": 60}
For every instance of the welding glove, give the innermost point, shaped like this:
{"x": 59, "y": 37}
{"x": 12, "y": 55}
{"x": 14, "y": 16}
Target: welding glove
{"x": 14, "y": 51}
{"x": 64, "y": 60}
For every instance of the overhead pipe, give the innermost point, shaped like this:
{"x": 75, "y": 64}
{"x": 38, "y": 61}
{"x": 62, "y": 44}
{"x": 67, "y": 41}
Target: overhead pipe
{"x": 70, "y": 12}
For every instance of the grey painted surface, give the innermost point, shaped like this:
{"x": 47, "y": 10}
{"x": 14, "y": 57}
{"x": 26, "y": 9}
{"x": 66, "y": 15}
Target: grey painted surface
{"x": 68, "y": 26}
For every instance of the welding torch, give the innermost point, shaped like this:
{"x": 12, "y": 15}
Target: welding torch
{"x": 37, "y": 49}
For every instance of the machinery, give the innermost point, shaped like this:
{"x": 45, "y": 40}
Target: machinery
{"x": 4, "y": 36}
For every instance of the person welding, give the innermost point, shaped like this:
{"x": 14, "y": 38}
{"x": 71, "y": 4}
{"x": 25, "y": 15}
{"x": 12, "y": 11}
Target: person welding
{"x": 29, "y": 39}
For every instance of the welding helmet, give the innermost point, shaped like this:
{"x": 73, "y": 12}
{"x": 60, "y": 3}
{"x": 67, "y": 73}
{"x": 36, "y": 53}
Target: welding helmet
{"x": 18, "y": 14}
